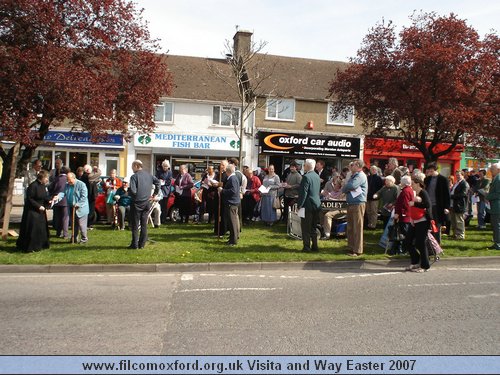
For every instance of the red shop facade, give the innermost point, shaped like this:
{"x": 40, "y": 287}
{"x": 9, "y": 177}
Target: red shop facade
{"x": 379, "y": 150}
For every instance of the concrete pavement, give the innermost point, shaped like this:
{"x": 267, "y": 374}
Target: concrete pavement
{"x": 360, "y": 265}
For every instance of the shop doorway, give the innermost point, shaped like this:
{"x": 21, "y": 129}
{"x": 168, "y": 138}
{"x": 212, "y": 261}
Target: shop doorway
{"x": 146, "y": 162}
{"x": 77, "y": 159}
{"x": 62, "y": 155}
{"x": 110, "y": 165}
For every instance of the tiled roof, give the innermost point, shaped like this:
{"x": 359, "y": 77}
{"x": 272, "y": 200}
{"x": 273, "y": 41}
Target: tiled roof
{"x": 299, "y": 78}
{"x": 194, "y": 79}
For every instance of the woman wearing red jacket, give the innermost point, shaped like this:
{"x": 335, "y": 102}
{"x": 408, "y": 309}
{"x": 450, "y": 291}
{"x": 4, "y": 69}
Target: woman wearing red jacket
{"x": 251, "y": 196}
{"x": 420, "y": 216}
{"x": 402, "y": 210}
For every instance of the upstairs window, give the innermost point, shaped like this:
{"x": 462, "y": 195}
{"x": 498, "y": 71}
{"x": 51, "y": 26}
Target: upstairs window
{"x": 394, "y": 125}
{"x": 344, "y": 120}
{"x": 280, "y": 109}
{"x": 164, "y": 112}
{"x": 226, "y": 116}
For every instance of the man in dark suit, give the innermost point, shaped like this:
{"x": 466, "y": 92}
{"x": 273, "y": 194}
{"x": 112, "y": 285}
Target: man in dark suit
{"x": 309, "y": 200}
{"x": 231, "y": 200}
{"x": 458, "y": 205}
{"x": 323, "y": 174}
{"x": 141, "y": 183}
{"x": 437, "y": 187}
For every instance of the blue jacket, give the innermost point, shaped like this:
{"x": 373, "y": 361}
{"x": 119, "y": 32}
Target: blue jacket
{"x": 357, "y": 180}
{"x": 231, "y": 191}
{"x": 167, "y": 180}
{"x": 80, "y": 197}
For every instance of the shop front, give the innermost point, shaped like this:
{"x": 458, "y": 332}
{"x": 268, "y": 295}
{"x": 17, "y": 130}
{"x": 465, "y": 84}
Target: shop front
{"x": 378, "y": 151}
{"x": 470, "y": 160}
{"x": 281, "y": 148}
{"x": 197, "y": 151}
{"x": 76, "y": 149}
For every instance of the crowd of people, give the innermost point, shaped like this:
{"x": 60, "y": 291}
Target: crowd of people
{"x": 232, "y": 198}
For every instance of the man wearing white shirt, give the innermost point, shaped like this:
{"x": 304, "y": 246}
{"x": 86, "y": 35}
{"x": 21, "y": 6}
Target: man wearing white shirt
{"x": 30, "y": 175}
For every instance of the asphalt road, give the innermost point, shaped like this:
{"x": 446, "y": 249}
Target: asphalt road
{"x": 445, "y": 311}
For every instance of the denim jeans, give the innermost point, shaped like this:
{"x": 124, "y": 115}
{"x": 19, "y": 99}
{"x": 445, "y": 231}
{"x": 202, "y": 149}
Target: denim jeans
{"x": 481, "y": 213}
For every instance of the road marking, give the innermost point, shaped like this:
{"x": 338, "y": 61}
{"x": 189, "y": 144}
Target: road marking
{"x": 83, "y": 274}
{"x": 452, "y": 284}
{"x": 485, "y": 295}
{"x": 187, "y": 277}
{"x": 233, "y": 275}
{"x": 472, "y": 269}
{"x": 226, "y": 290}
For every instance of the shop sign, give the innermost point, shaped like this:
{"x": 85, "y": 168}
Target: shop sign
{"x": 330, "y": 205}
{"x": 309, "y": 145}
{"x": 188, "y": 141}
{"x": 383, "y": 146}
{"x": 84, "y": 138}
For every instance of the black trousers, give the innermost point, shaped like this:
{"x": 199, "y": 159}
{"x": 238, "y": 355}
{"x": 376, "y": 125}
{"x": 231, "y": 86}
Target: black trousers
{"x": 184, "y": 208}
{"x": 60, "y": 220}
{"x": 308, "y": 224}
{"x": 164, "y": 211}
{"x": 91, "y": 219}
{"x": 248, "y": 207}
{"x": 139, "y": 217}
{"x": 418, "y": 251}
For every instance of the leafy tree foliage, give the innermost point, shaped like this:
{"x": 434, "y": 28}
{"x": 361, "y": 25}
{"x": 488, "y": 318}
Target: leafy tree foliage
{"x": 436, "y": 83}
{"x": 90, "y": 63}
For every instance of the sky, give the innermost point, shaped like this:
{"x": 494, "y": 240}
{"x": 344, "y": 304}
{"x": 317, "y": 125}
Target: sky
{"x": 315, "y": 29}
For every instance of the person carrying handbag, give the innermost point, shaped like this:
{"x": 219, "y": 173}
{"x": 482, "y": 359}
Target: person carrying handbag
{"x": 420, "y": 217}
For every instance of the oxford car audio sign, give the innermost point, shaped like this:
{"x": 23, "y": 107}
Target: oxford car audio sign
{"x": 309, "y": 145}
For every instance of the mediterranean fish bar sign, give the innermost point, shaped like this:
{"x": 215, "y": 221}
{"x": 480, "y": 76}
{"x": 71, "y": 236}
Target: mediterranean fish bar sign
{"x": 309, "y": 145}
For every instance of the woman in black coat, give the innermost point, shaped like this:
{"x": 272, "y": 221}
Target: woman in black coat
{"x": 34, "y": 233}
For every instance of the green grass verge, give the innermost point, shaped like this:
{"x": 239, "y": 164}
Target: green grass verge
{"x": 175, "y": 243}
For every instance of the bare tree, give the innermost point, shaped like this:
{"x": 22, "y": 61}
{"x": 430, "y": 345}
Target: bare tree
{"x": 249, "y": 77}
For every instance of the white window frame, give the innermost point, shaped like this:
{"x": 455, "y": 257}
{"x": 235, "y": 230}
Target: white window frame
{"x": 162, "y": 104}
{"x": 229, "y": 109}
{"x": 331, "y": 121}
{"x": 250, "y": 121}
{"x": 280, "y": 103}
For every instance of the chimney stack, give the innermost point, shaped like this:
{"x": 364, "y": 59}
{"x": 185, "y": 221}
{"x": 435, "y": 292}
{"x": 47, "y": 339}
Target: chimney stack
{"x": 242, "y": 43}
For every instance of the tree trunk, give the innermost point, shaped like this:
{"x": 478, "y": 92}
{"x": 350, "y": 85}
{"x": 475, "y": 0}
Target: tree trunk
{"x": 21, "y": 164}
{"x": 14, "y": 151}
{"x": 429, "y": 158}
{"x": 4, "y": 181}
